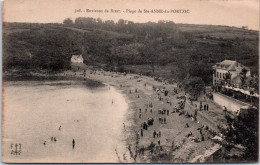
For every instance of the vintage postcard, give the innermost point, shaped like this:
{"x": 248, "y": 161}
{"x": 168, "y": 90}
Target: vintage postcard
{"x": 127, "y": 81}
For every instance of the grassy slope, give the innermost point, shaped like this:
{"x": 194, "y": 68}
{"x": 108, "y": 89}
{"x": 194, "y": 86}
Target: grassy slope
{"x": 207, "y": 40}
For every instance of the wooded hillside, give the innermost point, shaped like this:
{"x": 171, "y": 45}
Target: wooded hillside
{"x": 165, "y": 49}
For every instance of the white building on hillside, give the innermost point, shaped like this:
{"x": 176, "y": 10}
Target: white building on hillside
{"x": 77, "y": 59}
{"x": 233, "y": 67}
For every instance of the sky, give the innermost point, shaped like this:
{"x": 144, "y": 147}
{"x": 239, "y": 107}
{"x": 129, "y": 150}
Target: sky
{"x": 211, "y": 12}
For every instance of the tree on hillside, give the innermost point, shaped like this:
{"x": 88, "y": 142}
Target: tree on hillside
{"x": 150, "y": 53}
{"x": 194, "y": 86}
{"x": 243, "y": 76}
{"x": 227, "y": 77}
{"x": 243, "y": 130}
{"x": 121, "y": 22}
{"x": 200, "y": 69}
{"x": 254, "y": 83}
{"x": 67, "y": 21}
{"x": 99, "y": 20}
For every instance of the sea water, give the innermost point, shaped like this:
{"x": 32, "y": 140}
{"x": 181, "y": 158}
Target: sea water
{"x": 35, "y": 111}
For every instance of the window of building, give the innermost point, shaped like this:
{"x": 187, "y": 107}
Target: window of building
{"x": 217, "y": 74}
{"x": 220, "y": 75}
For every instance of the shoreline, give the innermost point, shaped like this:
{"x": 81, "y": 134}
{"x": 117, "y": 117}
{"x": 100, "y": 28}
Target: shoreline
{"x": 176, "y": 146}
{"x": 138, "y": 92}
{"x": 51, "y": 77}
{"x": 89, "y": 82}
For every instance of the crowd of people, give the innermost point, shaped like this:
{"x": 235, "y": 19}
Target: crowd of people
{"x": 166, "y": 108}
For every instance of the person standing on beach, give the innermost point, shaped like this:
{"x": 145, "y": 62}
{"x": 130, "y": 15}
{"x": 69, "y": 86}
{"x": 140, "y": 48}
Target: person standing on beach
{"x": 73, "y": 143}
{"x": 154, "y": 134}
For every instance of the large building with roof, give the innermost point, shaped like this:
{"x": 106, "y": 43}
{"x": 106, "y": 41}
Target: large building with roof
{"x": 229, "y": 66}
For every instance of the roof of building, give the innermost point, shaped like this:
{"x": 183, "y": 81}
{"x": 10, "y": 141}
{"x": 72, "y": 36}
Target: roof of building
{"x": 229, "y": 65}
{"x": 76, "y": 56}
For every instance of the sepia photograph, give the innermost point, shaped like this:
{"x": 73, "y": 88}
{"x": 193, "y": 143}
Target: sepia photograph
{"x": 127, "y": 81}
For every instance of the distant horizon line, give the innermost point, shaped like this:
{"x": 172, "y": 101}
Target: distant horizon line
{"x": 239, "y": 27}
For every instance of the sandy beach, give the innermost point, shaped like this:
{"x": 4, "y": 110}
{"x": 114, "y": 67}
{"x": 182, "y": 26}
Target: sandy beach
{"x": 172, "y": 136}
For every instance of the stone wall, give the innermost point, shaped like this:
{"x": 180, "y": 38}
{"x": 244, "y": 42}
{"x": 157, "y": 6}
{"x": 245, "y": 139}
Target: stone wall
{"x": 231, "y": 104}
{"x": 201, "y": 117}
